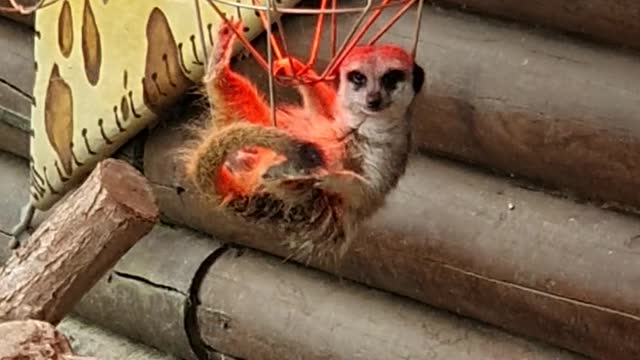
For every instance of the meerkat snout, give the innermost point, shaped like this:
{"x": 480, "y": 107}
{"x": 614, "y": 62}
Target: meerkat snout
{"x": 374, "y": 100}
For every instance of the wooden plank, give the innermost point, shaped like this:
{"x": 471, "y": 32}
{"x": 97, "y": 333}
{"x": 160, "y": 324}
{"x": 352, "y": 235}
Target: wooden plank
{"x": 550, "y": 268}
{"x": 613, "y": 21}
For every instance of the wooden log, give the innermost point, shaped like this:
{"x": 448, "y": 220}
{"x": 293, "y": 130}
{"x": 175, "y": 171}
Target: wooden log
{"x": 154, "y": 292}
{"x": 17, "y": 71}
{"x": 312, "y": 316}
{"x": 34, "y": 340}
{"x": 613, "y": 21}
{"x": 16, "y": 86}
{"x": 81, "y": 240}
{"x": 90, "y": 340}
{"x": 544, "y": 267}
{"x": 147, "y": 295}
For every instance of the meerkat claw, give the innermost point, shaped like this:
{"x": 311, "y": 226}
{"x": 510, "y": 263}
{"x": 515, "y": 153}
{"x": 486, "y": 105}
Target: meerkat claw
{"x": 221, "y": 55}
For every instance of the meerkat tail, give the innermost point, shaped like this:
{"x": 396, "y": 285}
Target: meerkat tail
{"x": 204, "y": 164}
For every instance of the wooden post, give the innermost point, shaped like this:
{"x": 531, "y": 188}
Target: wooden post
{"x": 82, "y": 239}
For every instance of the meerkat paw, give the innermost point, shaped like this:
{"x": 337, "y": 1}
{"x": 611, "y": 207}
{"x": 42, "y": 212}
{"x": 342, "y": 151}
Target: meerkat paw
{"x": 288, "y": 187}
{"x": 347, "y": 184}
{"x": 221, "y": 55}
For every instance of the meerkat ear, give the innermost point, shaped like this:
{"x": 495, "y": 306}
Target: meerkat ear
{"x": 418, "y": 78}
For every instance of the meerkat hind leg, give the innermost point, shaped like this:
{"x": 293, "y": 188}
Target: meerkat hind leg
{"x": 232, "y": 97}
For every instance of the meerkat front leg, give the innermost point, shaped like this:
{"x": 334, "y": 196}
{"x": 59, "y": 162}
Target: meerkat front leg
{"x": 352, "y": 187}
{"x": 232, "y": 97}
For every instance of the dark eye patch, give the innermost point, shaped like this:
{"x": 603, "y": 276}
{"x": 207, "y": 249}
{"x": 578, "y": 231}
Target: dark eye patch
{"x": 391, "y": 78}
{"x": 357, "y": 78}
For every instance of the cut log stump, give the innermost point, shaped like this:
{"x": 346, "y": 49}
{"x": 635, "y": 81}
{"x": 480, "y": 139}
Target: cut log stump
{"x": 82, "y": 239}
{"x": 34, "y": 340}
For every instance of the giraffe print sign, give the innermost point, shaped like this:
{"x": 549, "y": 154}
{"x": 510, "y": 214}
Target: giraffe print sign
{"x": 105, "y": 69}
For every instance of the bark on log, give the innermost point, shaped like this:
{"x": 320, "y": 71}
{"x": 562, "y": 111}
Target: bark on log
{"x": 613, "y": 21}
{"x": 549, "y": 268}
{"x": 82, "y": 239}
{"x": 34, "y": 340}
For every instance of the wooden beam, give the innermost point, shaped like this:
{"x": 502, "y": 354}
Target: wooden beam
{"x": 82, "y": 239}
{"x": 615, "y": 22}
{"x": 17, "y": 72}
{"x": 544, "y": 267}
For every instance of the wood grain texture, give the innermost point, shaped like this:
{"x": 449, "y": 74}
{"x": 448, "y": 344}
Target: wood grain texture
{"x": 255, "y": 307}
{"x": 34, "y": 340}
{"x": 82, "y": 239}
{"x": 549, "y": 268}
{"x": 615, "y": 22}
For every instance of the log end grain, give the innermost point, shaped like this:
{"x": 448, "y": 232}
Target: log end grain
{"x": 86, "y": 234}
{"x": 34, "y": 340}
{"x": 129, "y": 188}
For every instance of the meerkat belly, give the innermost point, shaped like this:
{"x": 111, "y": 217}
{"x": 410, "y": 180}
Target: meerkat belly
{"x": 383, "y": 153}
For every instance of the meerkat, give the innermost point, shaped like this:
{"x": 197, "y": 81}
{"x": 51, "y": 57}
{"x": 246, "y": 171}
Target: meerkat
{"x": 327, "y": 165}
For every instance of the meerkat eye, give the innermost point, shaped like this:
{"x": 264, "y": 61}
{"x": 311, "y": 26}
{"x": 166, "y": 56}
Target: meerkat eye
{"x": 357, "y": 78}
{"x": 391, "y": 79}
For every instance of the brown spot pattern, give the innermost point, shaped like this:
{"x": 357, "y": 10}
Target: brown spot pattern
{"x": 58, "y": 117}
{"x": 91, "y": 45}
{"x": 65, "y": 30}
{"x": 163, "y": 73}
{"x": 124, "y": 107}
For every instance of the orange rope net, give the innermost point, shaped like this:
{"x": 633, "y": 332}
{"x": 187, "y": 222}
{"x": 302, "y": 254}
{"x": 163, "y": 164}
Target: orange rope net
{"x": 368, "y": 14}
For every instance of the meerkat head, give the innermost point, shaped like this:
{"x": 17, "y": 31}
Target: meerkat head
{"x": 379, "y": 81}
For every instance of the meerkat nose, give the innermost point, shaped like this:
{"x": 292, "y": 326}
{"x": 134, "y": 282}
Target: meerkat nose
{"x": 374, "y": 100}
